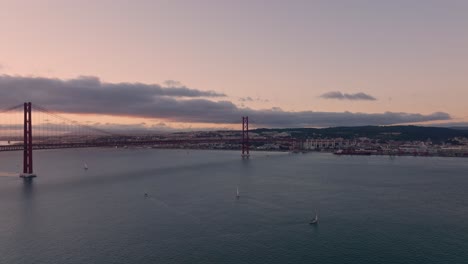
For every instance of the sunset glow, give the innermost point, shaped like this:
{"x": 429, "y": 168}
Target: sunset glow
{"x": 333, "y": 57}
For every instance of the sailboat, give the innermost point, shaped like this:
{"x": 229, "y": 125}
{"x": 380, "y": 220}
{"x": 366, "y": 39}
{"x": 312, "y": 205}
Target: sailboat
{"x": 85, "y": 166}
{"x": 315, "y": 220}
{"x": 237, "y": 195}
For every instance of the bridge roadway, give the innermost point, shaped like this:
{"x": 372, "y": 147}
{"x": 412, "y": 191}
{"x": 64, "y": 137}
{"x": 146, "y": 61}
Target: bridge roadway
{"x": 92, "y": 144}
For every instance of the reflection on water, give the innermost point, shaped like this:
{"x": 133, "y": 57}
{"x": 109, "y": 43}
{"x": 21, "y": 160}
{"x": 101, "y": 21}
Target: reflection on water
{"x": 28, "y": 188}
{"x": 8, "y": 174}
{"x": 27, "y": 203}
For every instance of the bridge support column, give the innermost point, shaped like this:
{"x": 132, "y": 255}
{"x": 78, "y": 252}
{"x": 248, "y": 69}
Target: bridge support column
{"x": 27, "y": 144}
{"x": 245, "y": 137}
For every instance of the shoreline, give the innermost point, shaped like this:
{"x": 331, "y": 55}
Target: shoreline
{"x": 456, "y": 155}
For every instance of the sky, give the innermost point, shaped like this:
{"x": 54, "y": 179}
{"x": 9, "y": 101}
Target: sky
{"x": 205, "y": 63}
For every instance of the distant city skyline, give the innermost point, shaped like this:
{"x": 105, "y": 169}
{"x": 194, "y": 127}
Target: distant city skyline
{"x": 203, "y": 64}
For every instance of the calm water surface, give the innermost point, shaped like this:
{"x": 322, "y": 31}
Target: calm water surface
{"x": 371, "y": 209}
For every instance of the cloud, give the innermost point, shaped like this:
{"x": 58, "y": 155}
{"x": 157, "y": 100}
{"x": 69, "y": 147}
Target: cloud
{"x": 133, "y": 128}
{"x": 276, "y": 108}
{"x": 250, "y": 99}
{"x": 89, "y": 95}
{"x": 344, "y": 96}
{"x": 279, "y": 118}
{"x": 90, "y": 89}
{"x": 246, "y": 99}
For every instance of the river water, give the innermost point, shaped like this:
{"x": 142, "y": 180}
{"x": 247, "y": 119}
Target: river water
{"x": 372, "y": 209}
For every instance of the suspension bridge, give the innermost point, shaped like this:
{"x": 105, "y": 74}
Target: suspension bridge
{"x": 55, "y": 131}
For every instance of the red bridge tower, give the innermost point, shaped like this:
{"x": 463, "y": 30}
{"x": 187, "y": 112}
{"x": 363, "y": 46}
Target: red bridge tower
{"x": 245, "y": 137}
{"x": 27, "y": 144}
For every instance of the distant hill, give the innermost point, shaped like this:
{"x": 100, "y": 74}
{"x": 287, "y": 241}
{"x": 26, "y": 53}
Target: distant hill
{"x": 405, "y": 133}
{"x": 460, "y": 128}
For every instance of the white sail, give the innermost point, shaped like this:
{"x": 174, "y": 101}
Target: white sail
{"x": 315, "y": 220}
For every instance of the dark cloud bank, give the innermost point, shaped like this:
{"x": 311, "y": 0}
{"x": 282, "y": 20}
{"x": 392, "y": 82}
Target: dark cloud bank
{"x": 181, "y": 104}
{"x": 344, "y": 96}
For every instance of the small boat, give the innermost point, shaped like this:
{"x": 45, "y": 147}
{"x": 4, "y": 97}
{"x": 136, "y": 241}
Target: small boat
{"x": 85, "y": 166}
{"x": 146, "y": 195}
{"x": 237, "y": 195}
{"x": 315, "y": 220}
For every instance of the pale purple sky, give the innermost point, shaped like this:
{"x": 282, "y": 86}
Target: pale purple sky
{"x": 370, "y": 57}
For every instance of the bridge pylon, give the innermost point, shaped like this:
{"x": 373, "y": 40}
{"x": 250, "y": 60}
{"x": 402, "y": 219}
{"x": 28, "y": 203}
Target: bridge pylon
{"x": 245, "y": 137}
{"x": 27, "y": 144}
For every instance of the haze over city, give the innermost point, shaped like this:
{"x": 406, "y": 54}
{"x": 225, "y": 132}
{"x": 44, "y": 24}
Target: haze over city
{"x": 203, "y": 64}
